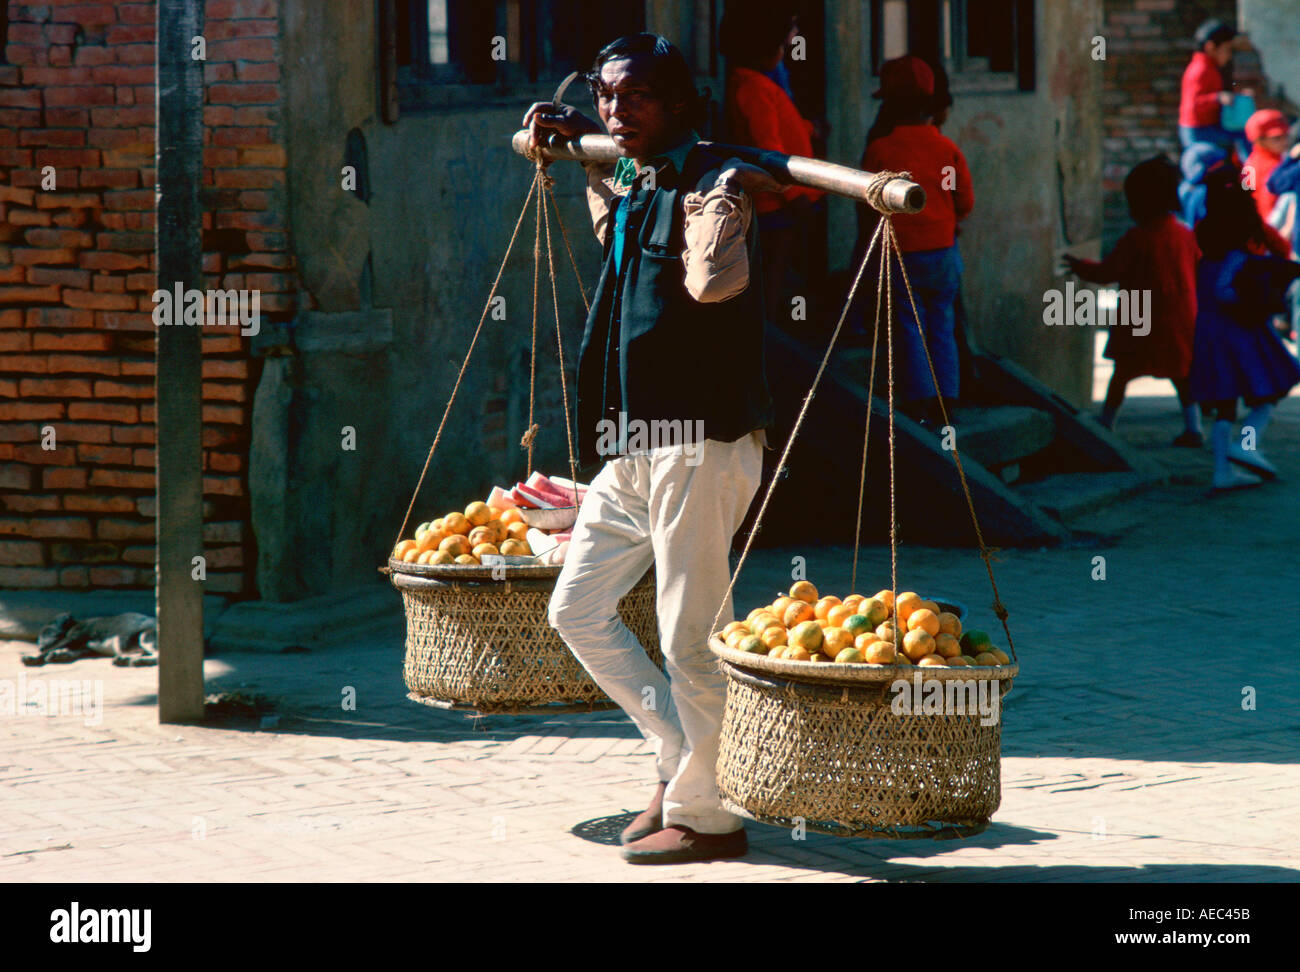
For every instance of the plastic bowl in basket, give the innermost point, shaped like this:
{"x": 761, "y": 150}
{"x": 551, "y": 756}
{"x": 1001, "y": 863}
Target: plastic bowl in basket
{"x": 557, "y": 519}
{"x": 478, "y": 638}
{"x": 826, "y": 745}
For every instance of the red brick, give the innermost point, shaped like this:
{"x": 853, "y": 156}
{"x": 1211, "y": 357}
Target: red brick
{"x": 65, "y": 278}
{"x": 125, "y": 320}
{"x": 64, "y": 479}
{"x": 20, "y": 33}
{"x": 118, "y": 479}
{"x": 107, "y": 260}
{"x": 16, "y": 477}
{"x": 112, "y": 576}
{"x": 98, "y": 301}
{"x": 22, "y": 362}
{"x": 20, "y": 98}
{"x": 28, "y": 217}
{"x": 113, "y": 455}
{"x": 251, "y": 71}
{"x": 52, "y": 137}
{"x": 240, "y": 135}
{"x": 59, "y": 317}
{"x": 28, "y": 54}
{"x": 134, "y": 434}
{"x": 16, "y": 158}
{"x": 110, "y": 178}
{"x": 109, "y": 284}
{"x": 87, "y": 14}
{"x": 134, "y": 155}
{"x": 98, "y": 504}
{"x": 11, "y": 194}
{"x": 144, "y": 368}
{"x": 19, "y": 117}
{"x": 79, "y": 96}
{"x": 249, "y": 178}
{"x": 31, "y": 577}
{"x": 117, "y": 389}
{"x": 122, "y": 74}
{"x": 130, "y": 34}
{"x": 65, "y": 363}
{"x": 135, "y": 54}
{"x": 8, "y": 389}
{"x": 11, "y": 317}
{"x": 140, "y": 555}
{"x": 55, "y": 387}
{"x": 129, "y": 199}
{"x": 71, "y": 342}
{"x": 29, "y": 295}
{"x": 15, "y": 341}
{"x": 218, "y": 344}
{"x": 70, "y": 528}
{"x": 212, "y": 73}
{"x": 84, "y": 432}
{"x": 23, "y": 553}
{"x": 223, "y": 414}
{"x": 38, "y": 236}
{"x": 236, "y": 9}
{"x": 223, "y": 392}
{"x": 92, "y": 55}
{"x": 223, "y": 485}
{"x": 25, "y": 256}
{"x": 12, "y": 411}
{"x": 142, "y": 281}
{"x": 226, "y": 29}
{"x": 74, "y": 577}
{"x": 66, "y": 200}
{"x": 144, "y": 457}
{"x": 227, "y": 462}
{"x": 128, "y": 242}
{"x": 31, "y": 504}
{"x": 12, "y": 275}
{"x": 240, "y": 93}
{"x": 104, "y": 412}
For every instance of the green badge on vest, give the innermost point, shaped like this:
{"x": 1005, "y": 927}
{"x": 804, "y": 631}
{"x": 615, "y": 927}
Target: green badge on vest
{"x": 624, "y": 173}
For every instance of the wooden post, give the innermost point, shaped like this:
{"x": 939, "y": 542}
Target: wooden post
{"x": 178, "y": 382}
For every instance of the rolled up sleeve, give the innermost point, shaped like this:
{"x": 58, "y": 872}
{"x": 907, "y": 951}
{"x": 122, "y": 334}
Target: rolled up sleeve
{"x": 716, "y": 254}
{"x": 600, "y": 196}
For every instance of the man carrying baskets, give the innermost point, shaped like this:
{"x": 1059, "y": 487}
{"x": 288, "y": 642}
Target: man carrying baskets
{"x": 673, "y": 397}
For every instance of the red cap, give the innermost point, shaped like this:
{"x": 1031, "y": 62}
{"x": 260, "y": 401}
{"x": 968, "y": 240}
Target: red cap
{"x": 1266, "y": 123}
{"x": 906, "y": 75}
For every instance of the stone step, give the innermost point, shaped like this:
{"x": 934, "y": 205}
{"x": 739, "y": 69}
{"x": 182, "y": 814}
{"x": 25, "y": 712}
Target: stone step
{"x": 277, "y": 626}
{"x": 1071, "y": 495}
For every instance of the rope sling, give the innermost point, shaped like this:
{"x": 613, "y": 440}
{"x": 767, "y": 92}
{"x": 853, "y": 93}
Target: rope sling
{"x": 884, "y": 236}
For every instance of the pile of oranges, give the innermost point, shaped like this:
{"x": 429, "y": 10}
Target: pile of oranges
{"x": 803, "y": 625}
{"x": 464, "y": 538}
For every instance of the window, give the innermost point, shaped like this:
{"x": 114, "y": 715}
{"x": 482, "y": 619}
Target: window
{"x": 502, "y": 42}
{"x": 984, "y": 45}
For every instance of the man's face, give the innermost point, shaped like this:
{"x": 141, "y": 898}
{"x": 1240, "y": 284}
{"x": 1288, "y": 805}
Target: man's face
{"x": 641, "y": 124}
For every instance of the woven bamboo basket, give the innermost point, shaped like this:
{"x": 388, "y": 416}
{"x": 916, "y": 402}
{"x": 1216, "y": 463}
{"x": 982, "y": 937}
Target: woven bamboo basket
{"x": 821, "y": 745}
{"x": 484, "y": 645}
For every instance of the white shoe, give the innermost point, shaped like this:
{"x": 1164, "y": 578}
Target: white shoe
{"x": 1233, "y": 480}
{"x": 1252, "y": 460}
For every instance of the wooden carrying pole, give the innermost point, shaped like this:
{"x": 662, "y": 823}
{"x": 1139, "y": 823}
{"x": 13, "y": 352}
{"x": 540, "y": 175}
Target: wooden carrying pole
{"x": 897, "y": 196}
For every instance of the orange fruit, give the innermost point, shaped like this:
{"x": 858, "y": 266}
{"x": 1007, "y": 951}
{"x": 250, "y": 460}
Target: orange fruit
{"x": 478, "y": 513}
{"x": 866, "y": 639}
{"x": 482, "y": 534}
{"x": 774, "y": 636}
{"x": 516, "y": 548}
{"x": 986, "y": 658}
{"x": 795, "y": 653}
{"x": 888, "y": 632}
{"x": 907, "y": 602}
{"x": 441, "y": 557}
{"x": 456, "y": 544}
{"x": 797, "y": 613}
{"x": 857, "y": 624}
{"x": 932, "y": 661}
{"x": 778, "y": 606}
{"x": 436, "y": 524}
{"x": 777, "y": 652}
{"x": 835, "y": 640}
{"x": 1002, "y": 657}
{"x": 495, "y": 511}
{"x": 457, "y": 523}
{"x": 886, "y": 598}
{"x": 817, "y": 656}
{"x": 430, "y": 539}
{"x": 880, "y": 653}
{"x": 806, "y": 635}
{"x": 511, "y": 515}
{"x": 823, "y": 607}
{"x": 485, "y": 548}
{"x": 399, "y": 551}
{"x": 733, "y": 639}
{"x": 517, "y": 531}
{"x": 411, "y": 556}
{"x": 850, "y": 655}
{"x": 949, "y": 624}
{"x": 853, "y": 600}
{"x": 755, "y": 613}
{"x": 956, "y": 661}
{"x": 923, "y": 619}
{"x": 874, "y": 610}
{"x": 468, "y": 558}
{"x": 762, "y": 621}
{"x": 751, "y": 645}
{"x": 917, "y": 644}
{"x": 967, "y": 659}
{"x": 804, "y": 591}
{"x": 837, "y": 615}
{"x": 425, "y": 556}
{"x": 946, "y": 645}
{"x": 732, "y": 627}
{"x": 931, "y": 606}
{"x": 498, "y": 530}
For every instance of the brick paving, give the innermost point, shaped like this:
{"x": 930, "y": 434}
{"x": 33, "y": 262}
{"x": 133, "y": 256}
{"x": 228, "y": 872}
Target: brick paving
{"x": 1127, "y": 753}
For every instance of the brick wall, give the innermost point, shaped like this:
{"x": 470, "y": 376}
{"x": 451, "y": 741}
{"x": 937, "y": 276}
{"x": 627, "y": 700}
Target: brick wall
{"x": 77, "y": 271}
{"x": 1148, "y": 45}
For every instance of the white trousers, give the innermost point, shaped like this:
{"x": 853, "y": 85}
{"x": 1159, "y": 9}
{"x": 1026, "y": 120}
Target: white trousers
{"x": 681, "y": 516}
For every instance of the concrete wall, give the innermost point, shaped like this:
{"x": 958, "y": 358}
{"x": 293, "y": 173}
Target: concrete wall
{"x": 1016, "y": 144}
{"x": 1274, "y": 29}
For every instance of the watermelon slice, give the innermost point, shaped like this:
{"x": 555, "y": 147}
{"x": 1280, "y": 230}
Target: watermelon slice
{"x": 500, "y": 498}
{"x": 522, "y": 501}
{"x": 537, "y": 498}
{"x": 550, "y": 490}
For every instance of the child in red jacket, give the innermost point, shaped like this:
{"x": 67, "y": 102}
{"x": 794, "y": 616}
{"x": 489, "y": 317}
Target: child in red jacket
{"x": 1157, "y": 256}
{"x": 1204, "y": 93}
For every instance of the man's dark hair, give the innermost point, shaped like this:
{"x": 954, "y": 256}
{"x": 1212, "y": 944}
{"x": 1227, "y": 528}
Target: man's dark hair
{"x": 1151, "y": 189}
{"x": 1214, "y": 31}
{"x": 670, "y": 76}
{"x": 751, "y": 36}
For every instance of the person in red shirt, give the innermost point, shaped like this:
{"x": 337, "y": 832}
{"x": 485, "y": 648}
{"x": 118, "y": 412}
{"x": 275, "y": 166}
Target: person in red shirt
{"x": 1204, "y": 93}
{"x": 759, "y": 112}
{"x": 1158, "y": 256}
{"x": 1269, "y": 134}
{"x": 909, "y": 142}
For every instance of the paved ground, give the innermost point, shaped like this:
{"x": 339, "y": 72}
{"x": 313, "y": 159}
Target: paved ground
{"x": 1128, "y": 754}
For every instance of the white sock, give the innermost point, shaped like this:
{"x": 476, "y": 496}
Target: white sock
{"x": 1258, "y": 419}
